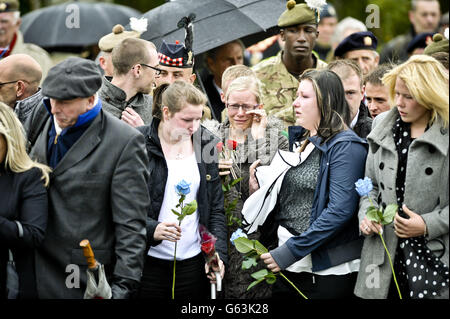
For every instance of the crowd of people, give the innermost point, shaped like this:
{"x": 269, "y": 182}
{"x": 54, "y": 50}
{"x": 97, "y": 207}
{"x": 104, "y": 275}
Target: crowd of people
{"x": 113, "y": 152}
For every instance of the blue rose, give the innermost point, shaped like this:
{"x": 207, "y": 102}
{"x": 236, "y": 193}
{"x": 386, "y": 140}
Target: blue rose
{"x": 364, "y": 186}
{"x": 237, "y": 234}
{"x": 182, "y": 188}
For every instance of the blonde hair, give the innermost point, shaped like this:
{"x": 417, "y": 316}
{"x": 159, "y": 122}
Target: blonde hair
{"x": 427, "y": 82}
{"x": 17, "y": 159}
{"x": 244, "y": 83}
{"x": 233, "y": 72}
{"x": 179, "y": 93}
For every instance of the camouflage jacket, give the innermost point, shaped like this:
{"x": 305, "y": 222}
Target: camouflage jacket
{"x": 279, "y": 87}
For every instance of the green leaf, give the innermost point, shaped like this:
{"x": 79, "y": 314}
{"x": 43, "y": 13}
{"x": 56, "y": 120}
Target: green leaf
{"x": 271, "y": 278}
{"x": 248, "y": 263}
{"x": 224, "y": 189}
{"x": 243, "y": 245}
{"x": 260, "y": 248}
{"x": 260, "y": 274}
{"x": 234, "y": 182}
{"x": 175, "y": 212}
{"x": 389, "y": 214}
{"x": 380, "y": 215}
{"x": 190, "y": 208}
{"x": 372, "y": 214}
{"x": 254, "y": 283}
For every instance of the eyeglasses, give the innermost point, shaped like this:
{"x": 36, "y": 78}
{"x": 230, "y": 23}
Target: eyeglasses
{"x": 245, "y": 107}
{"x": 3, "y": 83}
{"x": 158, "y": 71}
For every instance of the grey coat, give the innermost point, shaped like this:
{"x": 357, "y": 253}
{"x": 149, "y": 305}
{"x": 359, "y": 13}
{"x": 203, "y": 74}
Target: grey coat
{"x": 98, "y": 191}
{"x": 114, "y": 101}
{"x": 426, "y": 193}
{"x": 23, "y": 108}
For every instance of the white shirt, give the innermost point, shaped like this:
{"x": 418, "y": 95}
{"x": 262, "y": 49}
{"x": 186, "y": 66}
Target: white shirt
{"x": 353, "y": 123}
{"x": 189, "y": 244}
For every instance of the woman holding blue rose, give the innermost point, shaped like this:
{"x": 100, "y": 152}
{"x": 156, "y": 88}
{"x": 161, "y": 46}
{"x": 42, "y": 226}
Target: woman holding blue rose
{"x": 183, "y": 168}
{"x": 408, "y": 164}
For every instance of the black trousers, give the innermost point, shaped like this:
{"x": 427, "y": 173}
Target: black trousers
{"x": 190, "y": 279}
{"x": 315, "y": 286}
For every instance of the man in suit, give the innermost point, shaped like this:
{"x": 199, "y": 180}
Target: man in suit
{"x": 217, "y": 61}
{"x": 98, "y": 190}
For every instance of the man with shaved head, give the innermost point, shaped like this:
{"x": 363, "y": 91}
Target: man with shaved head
{"x": 20, "y": 76}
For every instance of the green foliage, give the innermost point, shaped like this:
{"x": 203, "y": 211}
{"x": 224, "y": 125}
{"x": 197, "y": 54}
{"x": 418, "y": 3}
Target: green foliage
{"x": 382, "y": 217}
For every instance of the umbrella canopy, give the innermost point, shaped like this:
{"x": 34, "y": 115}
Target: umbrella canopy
{"x": 217, "y": 21}
{"x": 73, "y": 24}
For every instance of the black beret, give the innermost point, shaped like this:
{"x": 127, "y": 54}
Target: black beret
{"x": 357, "y": 41}
{"x": 328, "y": 11}
{"x": 72, "y": 78}
{"x": 420, "y": 41}
{"x": 175, "y": 55}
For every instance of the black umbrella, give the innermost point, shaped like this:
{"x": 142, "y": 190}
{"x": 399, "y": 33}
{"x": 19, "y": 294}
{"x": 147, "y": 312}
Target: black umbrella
{"x": 217, "y": 21}
{"x": 73, "y": 24}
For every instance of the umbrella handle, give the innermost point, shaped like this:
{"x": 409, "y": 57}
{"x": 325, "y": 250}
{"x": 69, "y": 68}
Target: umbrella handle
{"x": 213, "y": 291}
{"x": 218, "y": 280}
{"x": 89, "y": 254}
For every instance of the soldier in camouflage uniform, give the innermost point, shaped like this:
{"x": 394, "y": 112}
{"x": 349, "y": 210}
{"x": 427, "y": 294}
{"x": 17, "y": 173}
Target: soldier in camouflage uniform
{"x": 279, "y": 74}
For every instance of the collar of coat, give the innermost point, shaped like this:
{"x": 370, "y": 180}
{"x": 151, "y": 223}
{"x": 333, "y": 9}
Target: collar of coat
{"x": 436, "y": 135}
{"x": 201, "y": 138}
{"x": 117, "y": 95}
{"x": 343, "y": 136}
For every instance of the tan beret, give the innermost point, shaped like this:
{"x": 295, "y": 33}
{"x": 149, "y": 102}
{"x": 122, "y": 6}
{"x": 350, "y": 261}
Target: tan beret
{"x": 109, "y": 41}
{"x": 9, "y": 5}
{"x": 297, "y": 14}
{"x": 439, "y": 44}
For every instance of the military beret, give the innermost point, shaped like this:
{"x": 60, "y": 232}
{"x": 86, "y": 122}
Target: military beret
{"x": 439, "y": 44}
{"x": 9, "y": 5}
{"x": 303, "y": 13}
{"x": 72, "y": 78}
{"x": 175, "y": 55}
{"x": 109, "y": 41}
{"x": 365, "y": 40}
{"x": 328, "y": 11}
{"x": 420, "y": 41}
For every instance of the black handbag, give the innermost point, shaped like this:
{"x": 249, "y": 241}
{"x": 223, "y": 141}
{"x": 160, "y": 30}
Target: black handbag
{"x": 12, "y": 278}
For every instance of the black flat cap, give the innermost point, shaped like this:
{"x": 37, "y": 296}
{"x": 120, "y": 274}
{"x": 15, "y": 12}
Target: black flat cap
{"x": 72, "y": 78}
{"x": 357, "y": 41}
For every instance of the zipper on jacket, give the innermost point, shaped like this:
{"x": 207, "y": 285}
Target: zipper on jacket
{"x": 313, "y": 279}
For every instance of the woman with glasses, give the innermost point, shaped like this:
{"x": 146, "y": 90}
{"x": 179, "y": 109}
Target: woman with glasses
{"x": 258, "y": 138}
{"x": 314, "y": 226}
{"x": 408, "y": 165}
{"x": 179, "y": 148}
{"x": 23, "y": 205}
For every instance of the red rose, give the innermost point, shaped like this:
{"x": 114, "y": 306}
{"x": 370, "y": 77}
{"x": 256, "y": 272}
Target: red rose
{"x": 219, "y": 147}
{"x": 232, "y": 145}
{"x": 208, "y": 247}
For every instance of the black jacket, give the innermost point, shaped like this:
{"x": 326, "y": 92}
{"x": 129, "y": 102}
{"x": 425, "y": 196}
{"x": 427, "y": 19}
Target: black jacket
{"x": 215, "y": 101}
{"x": 210, "y": 195}
{"x": 23, "y": 197}
{"x": 364, "y": 123}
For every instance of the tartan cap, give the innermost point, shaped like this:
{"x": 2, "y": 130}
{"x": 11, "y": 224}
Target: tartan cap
{"x": 175, "y": 55}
